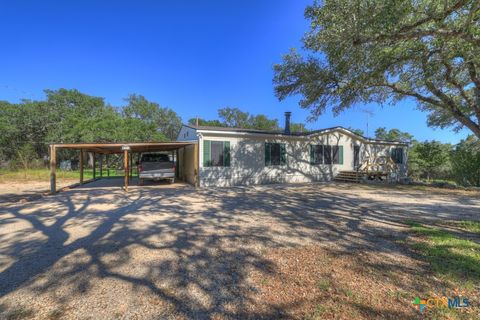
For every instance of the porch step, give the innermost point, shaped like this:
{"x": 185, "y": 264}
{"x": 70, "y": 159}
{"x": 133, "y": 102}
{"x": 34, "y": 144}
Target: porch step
{"x": 348, "y": 176}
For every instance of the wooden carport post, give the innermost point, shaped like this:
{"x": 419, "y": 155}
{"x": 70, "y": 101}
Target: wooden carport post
{"x": 196, "y": 165}
{"x": 53, "y": 167}
{"x": 131, "y": 165}
{"x": 125, "y": 165}
{"x": 81, "y": 165}
{"x": 101, "y": 165}
{"x": 94, "y": 158}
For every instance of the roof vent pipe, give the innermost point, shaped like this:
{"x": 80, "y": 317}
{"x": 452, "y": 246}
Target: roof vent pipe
{"x": 287, "y": 122}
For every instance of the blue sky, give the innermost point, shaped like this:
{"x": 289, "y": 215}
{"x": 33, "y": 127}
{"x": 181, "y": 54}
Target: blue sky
{"x": 192, "y": 56}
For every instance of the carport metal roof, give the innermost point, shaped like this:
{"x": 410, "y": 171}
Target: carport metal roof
{"x": 109, "y": 148}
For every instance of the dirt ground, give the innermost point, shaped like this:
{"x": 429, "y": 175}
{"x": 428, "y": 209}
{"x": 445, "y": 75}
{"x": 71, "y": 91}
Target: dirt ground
{"x": 12, "y": 191}
{"x": 171, "y": 251}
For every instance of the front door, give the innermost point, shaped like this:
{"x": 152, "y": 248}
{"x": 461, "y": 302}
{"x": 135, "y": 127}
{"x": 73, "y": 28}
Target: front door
{"x": 356, "y": 157}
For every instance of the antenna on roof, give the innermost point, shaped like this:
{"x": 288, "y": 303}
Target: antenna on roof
{"x": 196, "y": 121}
{"x": 369, "y": 113}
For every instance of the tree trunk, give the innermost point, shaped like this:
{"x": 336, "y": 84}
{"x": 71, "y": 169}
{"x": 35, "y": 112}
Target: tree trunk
{"x": 90, "y": 160}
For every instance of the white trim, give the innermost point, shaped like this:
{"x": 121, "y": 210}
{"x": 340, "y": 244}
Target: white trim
{"x": 250, "y": 134}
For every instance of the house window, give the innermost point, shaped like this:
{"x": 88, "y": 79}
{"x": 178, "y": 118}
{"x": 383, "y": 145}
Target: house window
{"x": 337, "y": 154}
{"x": 325, "y": 154}
{"x": 316, "y": 154}
{"x": 216, "y": 153}
{"x": 275, "y": 154}
{"x": 397, "y": 155}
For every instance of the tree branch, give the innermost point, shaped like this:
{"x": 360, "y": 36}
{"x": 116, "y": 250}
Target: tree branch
{"x": 452, "y": 81}
{"x": 448, "y": 103}
{"x": 413, "y": 94}
{"x": 476, "y": 81}
{"x": 456, "y": 112}
{"x": 416, "y": 34}
{"x": 473, "y": 74}
{"x": 413, "y": 31}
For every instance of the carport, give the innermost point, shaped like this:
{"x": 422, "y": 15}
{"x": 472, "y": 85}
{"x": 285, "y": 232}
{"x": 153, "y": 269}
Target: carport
{"x": 186, "y": 158}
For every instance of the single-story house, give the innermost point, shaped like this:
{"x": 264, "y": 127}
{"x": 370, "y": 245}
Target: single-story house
{"x": 236, "y": 156}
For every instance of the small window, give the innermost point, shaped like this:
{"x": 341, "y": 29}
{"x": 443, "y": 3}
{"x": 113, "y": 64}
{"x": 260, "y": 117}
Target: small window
{"x": 316, "y": 154}
{"x": 216, "y": 153}
{"x": 325, "y": 154}
{"x": 397, "y": 155}
{"x": 275, "y": 154}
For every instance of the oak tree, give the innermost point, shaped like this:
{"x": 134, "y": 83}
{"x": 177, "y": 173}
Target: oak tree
{"x": 384, "y": 51}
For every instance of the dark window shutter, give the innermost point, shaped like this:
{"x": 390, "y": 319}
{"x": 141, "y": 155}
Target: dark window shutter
{"x": 327, "y": 154}
{"x": 283, "y": 154}
{"x": 335, "y": 159}
{"x": 226, "y": 153}
{"x": 268, "y": 148}
{"x": 312, "y": 154}
{"x": 340, "y": 154}
{"x": 206, "y": 153}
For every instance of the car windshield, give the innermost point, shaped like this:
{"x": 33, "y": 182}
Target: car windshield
{"x": 155, "y": 158}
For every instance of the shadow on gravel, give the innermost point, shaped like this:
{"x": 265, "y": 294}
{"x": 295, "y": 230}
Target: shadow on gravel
{"x": 203, "y": 242}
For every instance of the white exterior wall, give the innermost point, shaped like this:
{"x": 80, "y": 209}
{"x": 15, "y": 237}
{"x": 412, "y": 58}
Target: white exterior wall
{"x": 187, "y": 134}
{"x": 247, "y": 159}
{"x": 186, "y": 168}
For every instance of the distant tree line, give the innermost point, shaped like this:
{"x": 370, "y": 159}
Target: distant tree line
{"x": 69, "y": 116}
{"x": 235, "y": 118}
{"x": 433, "y": 160}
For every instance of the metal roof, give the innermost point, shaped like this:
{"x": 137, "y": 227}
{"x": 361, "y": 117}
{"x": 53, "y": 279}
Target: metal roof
{"x": 118, "y": 147}
{"x": 294, "y": 134}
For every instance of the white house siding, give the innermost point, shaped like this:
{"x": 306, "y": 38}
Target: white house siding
{"x": 373, "y": 150}
{"x": 186, "y": 160}
{"x": 247, "y": 159}
{"x": 187, "y": 134}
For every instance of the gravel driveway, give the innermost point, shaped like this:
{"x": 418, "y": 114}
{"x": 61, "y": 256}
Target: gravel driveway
{"x": 177, "y": 252}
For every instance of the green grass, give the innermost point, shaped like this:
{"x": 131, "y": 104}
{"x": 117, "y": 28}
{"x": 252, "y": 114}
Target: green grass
{"x": 451, "y": 257}
{"x": 317, "y": 313}
{"x": 472, "y": 226}
{"x": 323, "y": 284}
{"x": 348, "y": 293}
{"x": 44, "y": 174}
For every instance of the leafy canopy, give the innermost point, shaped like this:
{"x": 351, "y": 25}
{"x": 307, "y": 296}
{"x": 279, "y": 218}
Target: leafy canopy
{"x": 393, "y": 135}
{"x": 466, "y": 162}
{"x": 384, "y": 51}
{"x": 430, "y": 159}
{"x": 70, "y": 116}
{"x": 235, "y": 118}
